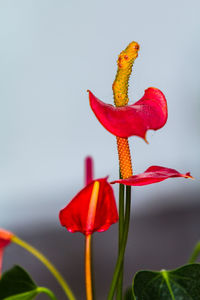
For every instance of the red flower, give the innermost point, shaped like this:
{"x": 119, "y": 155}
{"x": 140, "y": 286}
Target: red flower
{"x": 150, "y": 112}
{"x": 87, "y": 214}
{"x": 5, "y": 240}
{"x": 152, "y": 175}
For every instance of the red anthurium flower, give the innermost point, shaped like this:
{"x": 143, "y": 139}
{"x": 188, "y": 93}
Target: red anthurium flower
{"x": 5, "y": 240}
{"x": 5, "y": 237}
{"x": 152, "y": 175}
{"x": 92, "y": 209}
{"x": 150, "y": 112}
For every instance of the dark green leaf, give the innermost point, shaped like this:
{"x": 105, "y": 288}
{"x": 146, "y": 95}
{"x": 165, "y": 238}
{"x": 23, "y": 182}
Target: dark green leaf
{"x": 129, "y": 294}
{"x": 179, "y": 284}
{"x": 16, "y": 284}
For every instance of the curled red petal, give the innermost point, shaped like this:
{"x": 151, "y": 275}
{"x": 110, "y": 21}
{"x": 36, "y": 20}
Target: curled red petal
{"x": 152, "y": 175}
{"x": 5, "y": 237}
{"x": 75, "y": 215}
{"x": 150, "y": 112}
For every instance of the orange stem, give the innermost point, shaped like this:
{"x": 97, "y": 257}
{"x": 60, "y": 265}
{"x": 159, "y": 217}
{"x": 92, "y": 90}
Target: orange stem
{"x": 90, "y": 224}
{"x": 88, "y": 269}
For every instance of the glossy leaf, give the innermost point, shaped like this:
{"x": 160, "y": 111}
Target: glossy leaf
{"x": 179, "y": 284}
{"x": 150, "y": 112}
{"x": 75, "y": 215}
{"x": 16, "y": 284}
{"x": 152, "y": 175}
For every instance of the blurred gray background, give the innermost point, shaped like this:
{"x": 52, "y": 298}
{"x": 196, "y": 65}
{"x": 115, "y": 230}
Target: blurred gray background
{"x": 53, "y": 51}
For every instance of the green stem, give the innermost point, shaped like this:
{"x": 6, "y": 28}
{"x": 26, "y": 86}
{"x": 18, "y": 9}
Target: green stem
{"x": 123, "y": 245}
{"x": 195, "y": 254}
{"x": 120, "y": 236}
{"x": 46, "y": 291}
{"x": 48, "y": 265}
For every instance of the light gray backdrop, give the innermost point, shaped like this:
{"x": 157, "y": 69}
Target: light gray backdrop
{"x": 53, "y": 51}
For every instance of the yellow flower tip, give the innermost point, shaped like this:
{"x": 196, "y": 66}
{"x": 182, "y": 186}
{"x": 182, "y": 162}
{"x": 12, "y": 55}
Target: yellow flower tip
{"x": 132, "y": 48}
{"x": 145, "y": 139}
{"x": 93, "y": 206}
{"x": 125, "y": 63}
{"x": 127, "y": 56}
{"x": 189, "y": 176}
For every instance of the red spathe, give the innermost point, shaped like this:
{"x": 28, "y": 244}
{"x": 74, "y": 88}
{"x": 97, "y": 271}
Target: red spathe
{"x": 5, "y": 240}
{"x": 150, "y": 112}
{"x": 152, "y": 175}
{"x": 75, "y": 215}
{"x": 5, "y": 237}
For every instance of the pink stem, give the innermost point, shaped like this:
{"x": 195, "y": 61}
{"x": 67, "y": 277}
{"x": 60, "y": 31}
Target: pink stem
{"x": 88, "y": 170}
